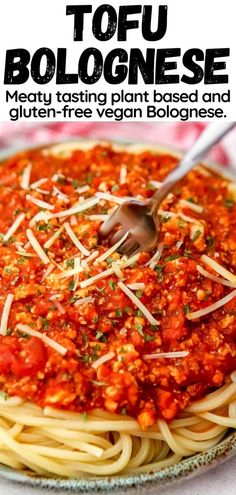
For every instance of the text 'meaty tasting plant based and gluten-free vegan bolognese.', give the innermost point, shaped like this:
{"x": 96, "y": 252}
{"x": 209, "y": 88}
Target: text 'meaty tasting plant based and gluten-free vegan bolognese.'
{"x": 112, "y": 364}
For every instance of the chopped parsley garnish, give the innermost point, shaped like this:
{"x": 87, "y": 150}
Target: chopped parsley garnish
{"x": 229, "y": 203}
{"x": 139, "y": 293}
{"x": 45, "y": 322}
{"x": 100, "y": 336}
{"x": 148, "y": 338}
{"x": 43, "y": 226}
{"x": 159, "y": 269}
{"x": 187, "y": 253}
{"x": 61, "y": 179}
{"x": 21, "y": 260}
{"x": 186, "y": 309}
{"x": 110, "y": 260}
{"x": 71, "y": 285}
{"x": 70, "y": 263}
{"x": 123, "y": 411}
{"x": 172, "y": 257}
{"x": 181, "y": 223}
{"x": 139, "y": 313}
{"x": 196, "y": 235}
{"x": 139, "y": 328}
{"x": 210, "y": 240}
{"x": 115, "y": 188}
{"x": 112, "y": 285}
{"x": 191, "y": 200}
{"x": 75, "y": 183}
{"x": 118, "y": 313}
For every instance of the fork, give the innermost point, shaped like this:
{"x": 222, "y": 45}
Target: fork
{"x": 141, "y": 218}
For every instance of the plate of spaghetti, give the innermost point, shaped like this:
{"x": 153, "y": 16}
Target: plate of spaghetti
{"x": 115, "y": 371}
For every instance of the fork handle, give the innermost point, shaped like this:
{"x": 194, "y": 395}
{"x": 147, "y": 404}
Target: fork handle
{"x": 210, "y": 136}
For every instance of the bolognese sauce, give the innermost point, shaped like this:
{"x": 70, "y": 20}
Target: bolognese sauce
{"x": 83, "y": 327}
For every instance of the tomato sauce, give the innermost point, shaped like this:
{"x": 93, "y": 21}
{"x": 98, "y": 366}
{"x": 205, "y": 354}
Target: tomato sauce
{"x": 109, "y": 321}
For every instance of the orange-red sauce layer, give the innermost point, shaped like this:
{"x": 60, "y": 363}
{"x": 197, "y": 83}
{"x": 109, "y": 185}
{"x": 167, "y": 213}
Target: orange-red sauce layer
{"x": 127, "y": 383}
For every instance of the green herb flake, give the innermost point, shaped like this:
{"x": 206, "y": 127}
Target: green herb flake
{"x": 75, "y": 183}
{"x": 186, "y": 309}
{"x": 70, "y": 263}
{"x": 159, "y": 269}
{"x": 139, "y": 293}
{"x": 229, "y": 203}
{"x": 115, "y": 188}
{"x": 196, "y": 235}
{"x": 172, "y": 257}
{"x": 148, "y": 338}
{"x": 45, "y": 323}
{"x": 71, "y": 285}
{"x": 210, "y": 240}
{"x": 187, "y": 253}
{"x": 16, "y": 212}
{"x": 118, "y": 313}
{"x": 139, "y": 328}
{"x": 21, "y": 260}
{"x": 112, "y": 285}
{"x": 123, "y": 411}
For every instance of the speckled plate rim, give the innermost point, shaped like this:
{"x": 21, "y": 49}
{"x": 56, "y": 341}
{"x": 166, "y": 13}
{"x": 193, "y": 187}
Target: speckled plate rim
{"x": 184, "y": 469}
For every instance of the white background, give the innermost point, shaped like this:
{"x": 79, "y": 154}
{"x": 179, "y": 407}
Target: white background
{"x": 191, "y": 24}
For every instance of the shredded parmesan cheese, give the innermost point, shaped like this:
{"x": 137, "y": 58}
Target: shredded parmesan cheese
{"x": 219, "y": 268}
{"x": 69, "y": 273}
{"x": 25, "y": 179}
{"x": 16, "y": 224}
{"x": 47, "y": 340}
{"x": 103, "y": 359}
{"x": 109, "y": 271}
{"x": 77, "y": 208}
{"x": 136, "y": 286}
{"x": 166, "y": 355}
{"x": 75, "y": 240}
{"x": 105, "y": 255}
{"x": 155, "y": 183}
{"x": 92, "y": 256}
{"x": 60, "y": 195}
{"x": 112, "y": 198}
{"x": 169, "y": 214}
{"x": 186, "y": 218}
{"x": 38, "y": 183}
{"x": 52, "y": 239}
{"x": 191, "y": 206}
{"x": 36, "y": 247}
{"x": 82, "y": 189}
{"x": 123, "y": 174}
{"x": 59, "y": 307}
{"x": 84, "y": 300}
{"x": 156, "y": 257}
{"x": 138, "y": 303}
{"x": 39, "y": 202}
{"x": 117, "y": 270}
{"x": 49, "y": 270}
{"x": 212, "y": 307}
{"x": 100, "y": 218}
{"x": 219, "y": 280}
{"x": 5, "y": 314}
